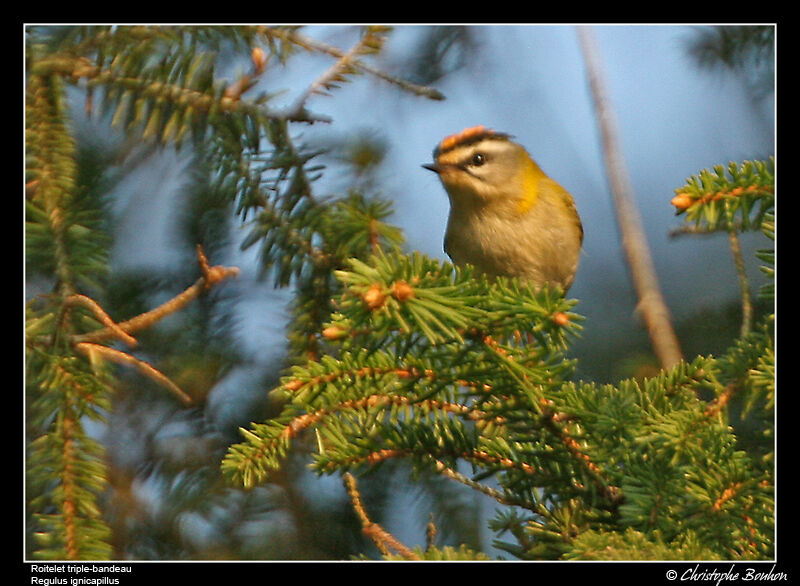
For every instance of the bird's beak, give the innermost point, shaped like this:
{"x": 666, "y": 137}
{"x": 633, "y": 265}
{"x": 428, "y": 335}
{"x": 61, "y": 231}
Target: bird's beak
{"x": 433, "y": 167}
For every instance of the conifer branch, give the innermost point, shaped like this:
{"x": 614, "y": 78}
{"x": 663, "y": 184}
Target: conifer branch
{"x": 730, "y": 199}
{"x": 225, "y": 100}
{"x": 551, "y": 421}
{"x": 72, "y": 528}
{"x": 737, "y": 197}
{"x": 612, "y": 494}
{"x": 51, "y": 166}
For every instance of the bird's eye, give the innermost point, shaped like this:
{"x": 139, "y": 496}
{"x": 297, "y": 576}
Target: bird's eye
{"x": 478, "y": 159}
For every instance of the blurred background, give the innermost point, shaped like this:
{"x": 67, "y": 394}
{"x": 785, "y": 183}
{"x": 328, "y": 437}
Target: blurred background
{"x": 685, "y": 97}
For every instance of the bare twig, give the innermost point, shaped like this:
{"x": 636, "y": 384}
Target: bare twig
{"x": 741, "y": 273}
{"x": 738, "y": 261}
{"x": 101, "y": 315}
{"x": 92, "y": 350}
{"x": 211, "y": 276}
{"x": 384, "y": 540}
{"x": 87, "y": 343}
{"x": 430, "y": 533}
{"x": 651, "y": 302}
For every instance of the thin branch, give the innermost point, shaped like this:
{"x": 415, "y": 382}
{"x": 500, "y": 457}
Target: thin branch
{"x": 315, "y": 45}
{"x": 334, "y": 73}
{"x": 430, "y": 533}
{"x": 102, "y": 316}
{"x": 69, "y": 485}
{"x": 744, "y": 283}
{"x": 501, "y": 497}
{"x": 692, "y": 230}
{"x": 87, "y": 343}
{"x": 651, "y": 302}
{"x": 211, "y": 276}
{"x": 382, "y": 538}
{"x": 90, "y": 350}
{"x": 738, "y": 260}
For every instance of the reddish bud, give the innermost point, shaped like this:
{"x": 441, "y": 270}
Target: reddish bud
{"x": 560, "y": 318}
{"x": 374, "y": 297}
{"x": 402, "y": 291}
{"x": 293, "y": 385}
{"x": 259, "y": 58}
{"x": 682, "y": 201}
{"x": 334, "y": 333}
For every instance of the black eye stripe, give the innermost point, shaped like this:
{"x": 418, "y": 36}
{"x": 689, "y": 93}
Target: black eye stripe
{"x": 476, "y": 160}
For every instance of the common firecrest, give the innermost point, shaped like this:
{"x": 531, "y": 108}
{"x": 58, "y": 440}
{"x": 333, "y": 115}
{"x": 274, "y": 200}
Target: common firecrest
{"x": 507, "y": 218}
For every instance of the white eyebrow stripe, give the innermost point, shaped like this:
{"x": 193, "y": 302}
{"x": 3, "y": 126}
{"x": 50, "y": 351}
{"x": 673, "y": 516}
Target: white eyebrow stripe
{"x": 490, "y": 147}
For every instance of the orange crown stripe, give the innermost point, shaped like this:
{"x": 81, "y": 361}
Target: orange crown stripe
{"x": 468, "y": 135}
{"x": 452, "y": 140}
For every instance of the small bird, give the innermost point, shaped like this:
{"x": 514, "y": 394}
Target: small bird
{"x": 507, "y": 217}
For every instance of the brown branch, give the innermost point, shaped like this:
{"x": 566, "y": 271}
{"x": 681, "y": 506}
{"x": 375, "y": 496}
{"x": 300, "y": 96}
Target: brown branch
{"x": 430, "y": 533}
{"x": 718, "y": 404}
{"x": 101, "y": 315}
{"x": 726, "y": 495}
{"x": 211, "y": 276}
{"x": 69, "y": 487}
{"x": 90, "y": 350}
{"x": 384, "y": 540}
{"x": 87, "y": 343}
{"x": 634, "y": 241}
{"x": 500, "y": 497}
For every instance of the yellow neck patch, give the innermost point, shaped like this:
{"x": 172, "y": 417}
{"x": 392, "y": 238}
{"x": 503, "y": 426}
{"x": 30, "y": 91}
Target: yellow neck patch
{"x": 531, "y": 179}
